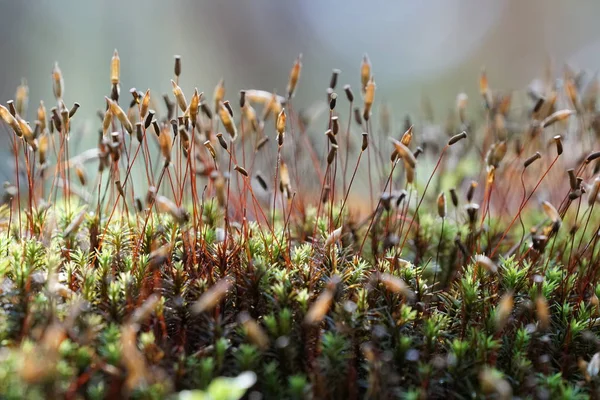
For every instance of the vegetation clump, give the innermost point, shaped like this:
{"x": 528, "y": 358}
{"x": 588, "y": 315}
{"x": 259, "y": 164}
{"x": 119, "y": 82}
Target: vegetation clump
{"x": 215, "y": 249}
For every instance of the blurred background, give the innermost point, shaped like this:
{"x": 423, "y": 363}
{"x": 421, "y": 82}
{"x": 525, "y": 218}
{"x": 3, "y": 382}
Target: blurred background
{"x": 432, "y": 48}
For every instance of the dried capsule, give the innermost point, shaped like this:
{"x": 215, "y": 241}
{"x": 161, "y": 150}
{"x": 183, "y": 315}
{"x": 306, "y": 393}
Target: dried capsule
{"x": 165, "y": 142}
{"x": 179, "y": 96}
{"x": 496, "y": 154}
{"x": 73, "y": 109}
{"x": 441, "y": 205}
{"x": 405, "y": 153}
{"x": 456, "y": 138}
{"x": 7, "y": 117}
{"x": 177, "y": 67}
{"x": 227, "y": 121}
{"x": 250, "y": 115}
{"x": 560, "y": 115}
{"x": 592, "y": 157}
{"x": 349, "y": 94}
{"x": 454, "y": 197}
{"x": 58, "y": 84}
{"x": 281, "y": 121}
{"x": 407, "y": 136}
{"x": 334, "y": 78}
{"x": 139, "y": 133}
{"x": 222, "y": 141}
{"x": 558, "y": 143}
{"x": 194, "y": 105}
{"x": 332, "y": 101}
{"x": 228, "y": 107}
{"x": 120, "y": 114}
{"x": 294, "y": 76}
{"x": 115, "y": 68}
{"x": 56, "y": 120}
{"x": 365, "y": 141}
{"x": 64, "y": 115}
{"x": 335, "y": 125}
{"x": 365, "y": 72}
{"x": 530, "y": 160}
{"x": 400, "y": 197}
{"x": 12, "y": 108}
{"x": 242, "y": 98}
{"x": 325, "y": 195}
{"x": 149, "y": 119}
{"x": 261, "y": 181}
{"x": 575, "y": 194}
{"x": 369, "y": 98}
{"x": 27, "y": 132}
{"x": 471, "y": 190}
{"x": 136, "y": 97}
{"x": 156, "y": 127}
{"x": 211, "y": 149}
{"x": 145, "y": 104}
{"x": 241, "y": 170}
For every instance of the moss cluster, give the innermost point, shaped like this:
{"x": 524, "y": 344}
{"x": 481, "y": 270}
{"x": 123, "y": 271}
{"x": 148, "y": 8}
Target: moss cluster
{"x": 203, "y": 291}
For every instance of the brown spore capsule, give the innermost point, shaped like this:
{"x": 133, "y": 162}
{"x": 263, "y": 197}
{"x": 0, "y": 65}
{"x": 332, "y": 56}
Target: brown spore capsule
{"x": 177, "y": 67}
{"x": 349, "y": 94}
{"x": 334, "y": 78}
